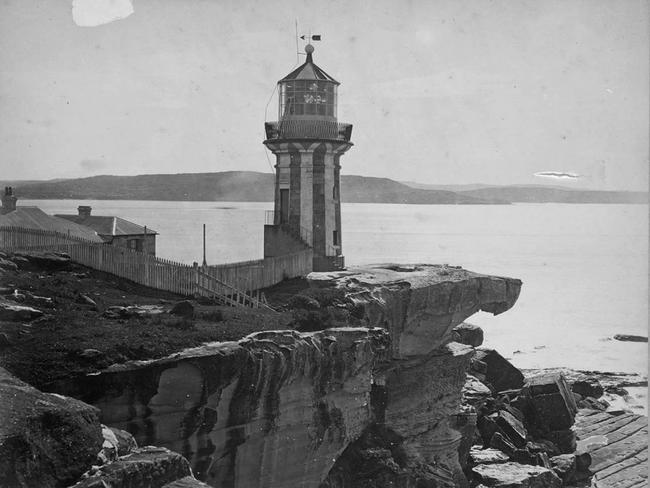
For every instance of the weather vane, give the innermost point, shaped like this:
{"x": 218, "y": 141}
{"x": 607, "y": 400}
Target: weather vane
{"x": 305, "y": 37}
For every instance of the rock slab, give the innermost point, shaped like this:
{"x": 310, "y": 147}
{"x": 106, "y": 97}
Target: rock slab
{"x": 513, "y": 475}
{"x": 46, "y": 440}
{"x": 420, "y": 304}
{"x": 618, "y": 445}
{"x": 145, "y": 467}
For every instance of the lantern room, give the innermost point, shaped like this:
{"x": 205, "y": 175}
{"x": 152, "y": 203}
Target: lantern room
{"x": 307, "y": 92}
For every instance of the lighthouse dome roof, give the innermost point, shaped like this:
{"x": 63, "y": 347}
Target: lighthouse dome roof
{"x": 308, "y": 70}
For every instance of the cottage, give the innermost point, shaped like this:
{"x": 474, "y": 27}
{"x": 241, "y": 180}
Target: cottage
{"x": 116, "y": 231}
{"x": 33, "y": 218}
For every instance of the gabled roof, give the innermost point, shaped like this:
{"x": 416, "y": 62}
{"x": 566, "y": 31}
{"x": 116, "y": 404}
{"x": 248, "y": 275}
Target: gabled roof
{"x": 308, "y": 71}
{"x": 108, "y": 225}
{"x": 35, "y": 218}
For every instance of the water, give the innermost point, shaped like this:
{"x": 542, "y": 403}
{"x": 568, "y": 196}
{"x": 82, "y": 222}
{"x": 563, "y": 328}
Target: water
{"x": 584, "y": 267}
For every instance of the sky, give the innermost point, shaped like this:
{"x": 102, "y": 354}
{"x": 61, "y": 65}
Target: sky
{"x": 439, "y": 91}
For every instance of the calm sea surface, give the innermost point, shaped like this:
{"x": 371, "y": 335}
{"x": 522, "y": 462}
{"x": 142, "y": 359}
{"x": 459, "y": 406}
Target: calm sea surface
{"x": 584, "y": 267}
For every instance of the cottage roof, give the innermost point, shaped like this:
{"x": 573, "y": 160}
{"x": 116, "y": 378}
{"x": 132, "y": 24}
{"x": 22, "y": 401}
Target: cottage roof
{"x": 35, "y": 218}
{"x": 308, "y": 71}
{"x": 108, "y": 225}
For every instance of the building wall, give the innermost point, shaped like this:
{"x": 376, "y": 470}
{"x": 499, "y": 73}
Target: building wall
{"x": 310, "y": 170}
{"x": 148, "y": 242}
{"x": 319, "y": 224}
{"x": 337, "y": 199}
{"x": 278, "y": 243}
{"x": 295, "y": 185}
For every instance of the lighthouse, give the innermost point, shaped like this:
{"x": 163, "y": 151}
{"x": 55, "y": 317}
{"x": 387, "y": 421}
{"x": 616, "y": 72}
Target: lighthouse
{"x": 308, "y": 142}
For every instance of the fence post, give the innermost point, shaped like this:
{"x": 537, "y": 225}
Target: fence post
{"x": 196, "y": 278}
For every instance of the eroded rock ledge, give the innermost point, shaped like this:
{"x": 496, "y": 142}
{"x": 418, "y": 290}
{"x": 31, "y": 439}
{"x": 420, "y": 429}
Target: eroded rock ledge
{"x": 279, "y": 408}
{"x": 420, "y": 304}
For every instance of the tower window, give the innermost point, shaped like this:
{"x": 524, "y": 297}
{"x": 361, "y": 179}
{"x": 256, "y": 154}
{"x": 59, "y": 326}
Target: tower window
{"x": 335, "y": 237}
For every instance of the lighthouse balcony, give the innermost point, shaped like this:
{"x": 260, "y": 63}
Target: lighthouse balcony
{"x": 308, "y": 129}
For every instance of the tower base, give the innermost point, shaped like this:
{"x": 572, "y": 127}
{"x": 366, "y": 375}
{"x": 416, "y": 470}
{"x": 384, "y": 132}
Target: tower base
{"x": 329, "y": 263}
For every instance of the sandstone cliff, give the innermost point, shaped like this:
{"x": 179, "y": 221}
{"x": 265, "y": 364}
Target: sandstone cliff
{"x": 283, "y": 408}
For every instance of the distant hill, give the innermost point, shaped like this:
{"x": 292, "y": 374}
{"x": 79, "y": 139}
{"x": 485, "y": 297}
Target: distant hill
{"x": 540, "y": 193}
{"x": 557, "y": 195}
{"x": 250, "y": 186}
{"x": 229, "y": 186}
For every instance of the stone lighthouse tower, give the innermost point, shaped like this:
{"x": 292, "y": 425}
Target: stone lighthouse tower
{"x": 308, "y": 142}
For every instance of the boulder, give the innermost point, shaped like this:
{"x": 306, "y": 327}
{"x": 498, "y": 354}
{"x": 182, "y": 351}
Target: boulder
{"x": 565, "y": 440}
{"x": 543, "y": 445}
{"x": 487, "y": 427}
{"x": 588, "y": 387}
{"x": 500, "y": 374}
{"x": 46, "y": 440}
{"x": 125, "y": 442}
{"x": 502, "y": 443}
{"x": 474, "y": 392}
{"x": 583, "y": 462}
{"x": 543, "y": 460}
{"x": 487, "y": 456}
{"x": 523, "y": 456}
{"x": 548, "y": 402}
{"x": 12, "y": 312}
{"x": 117, "y": 443}
{"x": 145, "y": 467}
{"x": 513, "y": 475}
{"x": 184, "y": 309}
{"x": 469, "y": 334}
{"x": 564, "y": 466}
{"x": 593, "y": 404}
{"x": 505, "y": 424}
{"x": 186, "y": 482}
{"x": 513, "y": 429}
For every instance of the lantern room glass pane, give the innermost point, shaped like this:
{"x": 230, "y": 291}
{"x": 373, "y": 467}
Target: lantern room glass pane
{"x": 307, "y": 97}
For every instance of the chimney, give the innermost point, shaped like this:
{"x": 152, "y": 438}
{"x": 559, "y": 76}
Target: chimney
{"x": 8, "y": 201}
{"x": 84, "y": 210}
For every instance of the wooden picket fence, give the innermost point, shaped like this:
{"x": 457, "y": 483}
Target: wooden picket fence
{"x": 233, "y": 284}
{"x": 262, "y": 273}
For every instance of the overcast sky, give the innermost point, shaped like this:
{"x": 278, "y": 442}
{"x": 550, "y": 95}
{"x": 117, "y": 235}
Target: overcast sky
{"x": 441, "y": 91}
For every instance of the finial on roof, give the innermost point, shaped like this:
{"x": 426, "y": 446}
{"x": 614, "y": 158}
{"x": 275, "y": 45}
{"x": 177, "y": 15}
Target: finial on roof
{"x": 309, "y": 49}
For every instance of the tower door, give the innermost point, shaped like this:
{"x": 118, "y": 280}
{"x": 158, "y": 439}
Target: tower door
{"x": 284, "y": 206}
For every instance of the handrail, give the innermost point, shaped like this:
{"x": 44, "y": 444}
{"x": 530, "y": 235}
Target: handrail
{"x": 289, "y": 128}
{"x": 245, "y": 297}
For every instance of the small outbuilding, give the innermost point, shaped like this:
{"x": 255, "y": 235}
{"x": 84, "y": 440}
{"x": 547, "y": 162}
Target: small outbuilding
{"x": 116, "y": 231}
{"x": 33, "y": 218}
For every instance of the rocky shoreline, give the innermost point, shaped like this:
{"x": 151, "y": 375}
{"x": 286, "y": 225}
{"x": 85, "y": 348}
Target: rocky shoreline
{"x": 403, "y": 395}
